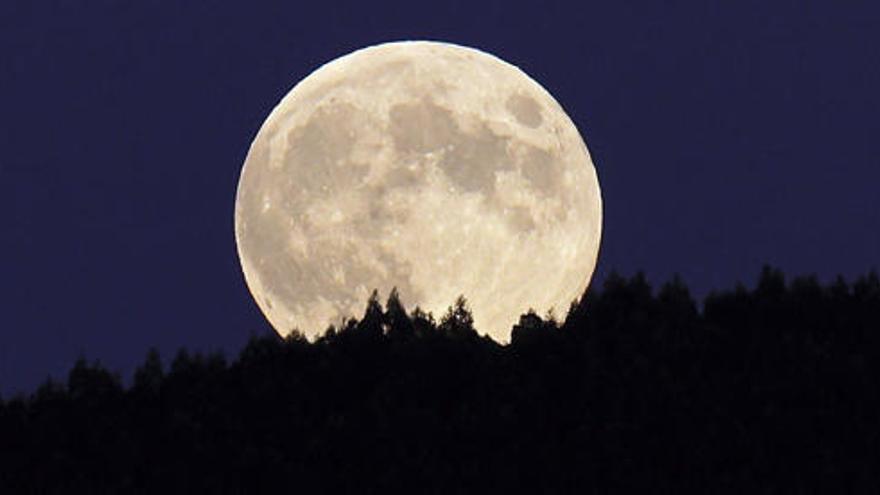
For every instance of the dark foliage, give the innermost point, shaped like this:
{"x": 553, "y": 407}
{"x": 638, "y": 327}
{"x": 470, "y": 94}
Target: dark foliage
{"x": 774, "y": 389}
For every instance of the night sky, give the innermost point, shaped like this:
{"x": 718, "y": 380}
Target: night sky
{"x": 724, "y": 138}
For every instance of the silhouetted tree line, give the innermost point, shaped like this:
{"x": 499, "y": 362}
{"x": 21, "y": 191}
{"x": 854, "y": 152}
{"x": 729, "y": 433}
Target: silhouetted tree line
{"x": 774, "y": 389}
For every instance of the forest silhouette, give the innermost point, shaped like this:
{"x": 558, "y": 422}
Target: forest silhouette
{"x": 773, "y": 388}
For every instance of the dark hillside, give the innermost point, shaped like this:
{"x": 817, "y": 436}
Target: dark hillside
{"x": 776, "y": 388}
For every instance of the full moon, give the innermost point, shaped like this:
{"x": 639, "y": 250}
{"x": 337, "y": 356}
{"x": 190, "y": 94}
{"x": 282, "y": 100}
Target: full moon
{"x": 434, "y": 168}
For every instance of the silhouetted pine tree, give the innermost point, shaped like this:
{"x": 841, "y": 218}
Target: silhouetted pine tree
{"x": 372, "y": 326}
{"x": 400, "y": 326}
{"x": 148, "y": 377}
{"x": 458, "y": 323}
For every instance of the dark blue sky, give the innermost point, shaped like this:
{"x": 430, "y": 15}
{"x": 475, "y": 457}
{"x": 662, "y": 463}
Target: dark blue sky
{"x": 724, "y": 138}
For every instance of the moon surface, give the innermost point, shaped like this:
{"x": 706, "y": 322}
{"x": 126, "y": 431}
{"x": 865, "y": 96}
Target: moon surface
{"x": 434, "y": 168}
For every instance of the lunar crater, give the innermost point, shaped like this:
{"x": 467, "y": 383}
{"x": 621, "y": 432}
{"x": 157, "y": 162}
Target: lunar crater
{"x": 420, "y": 127}
{"x": 325, "y": 138}
{"x": 473, "y": 160}
{"x": 541, "y": 169}
{"x": 526, "y": 110}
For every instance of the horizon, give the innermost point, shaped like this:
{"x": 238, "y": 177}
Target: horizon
{"x": 166, "y": 358}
